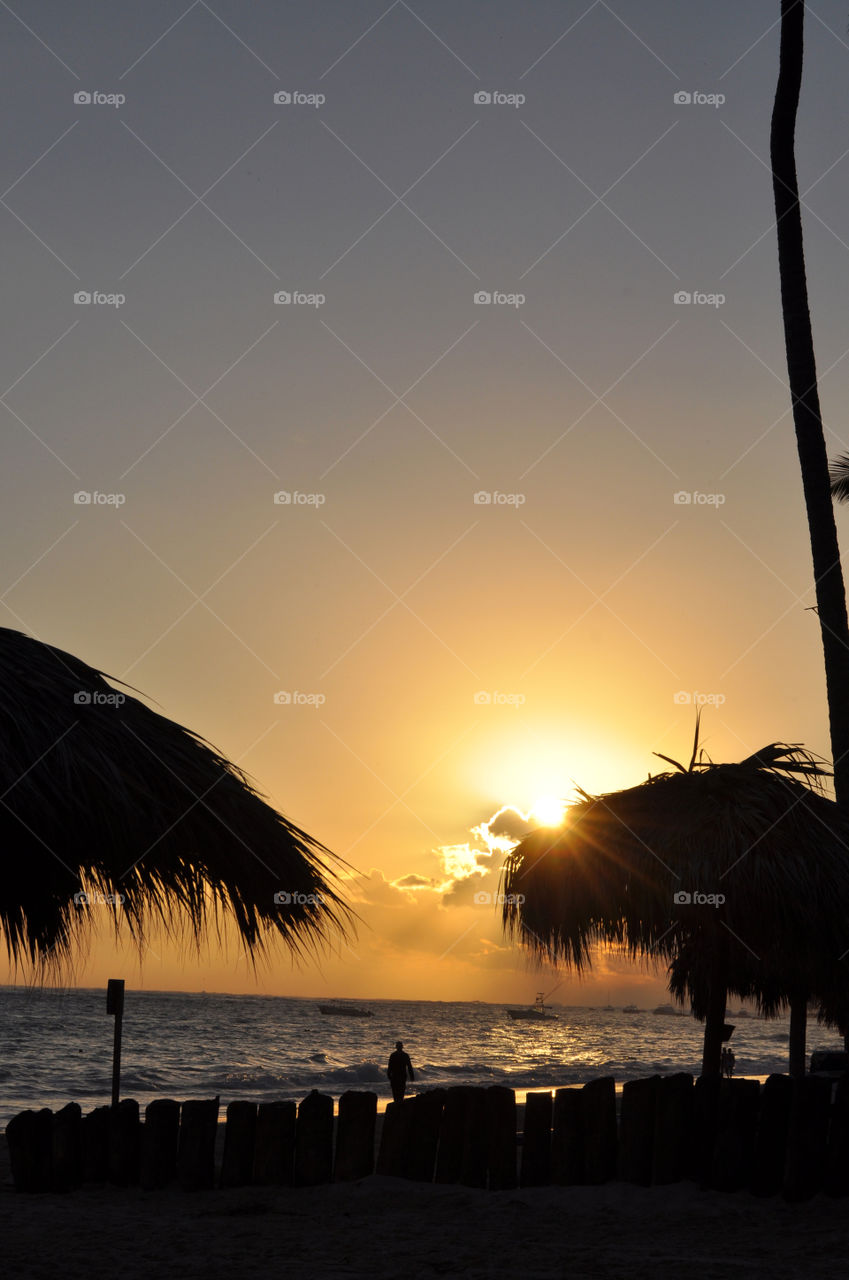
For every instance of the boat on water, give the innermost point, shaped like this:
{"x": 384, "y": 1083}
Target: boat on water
{"x": 537, "y": 1012}
{"x": 630, "y": 1008}
{"x": 345, "y": 1010}
{"x": 668, "y": 1010}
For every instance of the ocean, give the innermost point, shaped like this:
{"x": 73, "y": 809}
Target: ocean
{"x": 56, "y": 1046}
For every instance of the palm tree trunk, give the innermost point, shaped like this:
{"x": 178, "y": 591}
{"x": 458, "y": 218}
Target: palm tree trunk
{"x": 714, "y": 1025}
{"x": 798, "y": 1022}
{"x": 810, "y": 440}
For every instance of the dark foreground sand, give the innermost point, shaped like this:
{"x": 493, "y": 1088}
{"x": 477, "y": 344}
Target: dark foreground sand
{"x": 384, "y": 1227}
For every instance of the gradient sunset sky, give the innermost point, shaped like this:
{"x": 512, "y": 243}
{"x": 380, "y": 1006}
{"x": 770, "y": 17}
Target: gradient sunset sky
{"x": 391, "y": 660}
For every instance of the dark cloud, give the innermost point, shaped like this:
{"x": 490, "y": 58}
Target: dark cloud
{"x": 414, "y": 882}
{"x": 512, "y": 824}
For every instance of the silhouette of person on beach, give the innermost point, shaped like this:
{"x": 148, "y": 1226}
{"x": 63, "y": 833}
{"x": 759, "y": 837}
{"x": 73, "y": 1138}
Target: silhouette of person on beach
{"x": 398, "y": 1069}
{"x": 726, "y": 1062}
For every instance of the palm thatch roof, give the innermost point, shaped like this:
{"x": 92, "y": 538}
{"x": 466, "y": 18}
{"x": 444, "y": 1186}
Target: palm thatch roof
{"x": 100, "y": 795}
{"x": 760, "y": 833}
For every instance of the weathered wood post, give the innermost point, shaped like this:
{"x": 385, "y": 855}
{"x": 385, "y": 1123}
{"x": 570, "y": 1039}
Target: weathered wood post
{"x": 567, "y": 1139}
{"x": 836, "y": 1173}
{"x": 237, "y": 1163}
{"x": 771, "y": 1138}
{"x": 274, "y": 1149}
{"x": 598, "y": 1104}
{"x": 806, "y": 1137}
{"x": 115, "y": 1005}
{"x": 314, "y": 1140}
{"x": 452, "y": 1134}
{"x": 705, "y": 1107}
{"x": 95, "y": 1133}
{"x": 736, "y": 1125}
{"x": 475, "y": 1140}
{"x": 425, "y": 1116}
{"x": 355, "y": 1128}
{"x": 196, "y": 1146}
{"x": 636, "y": 1130}
{"x": 672, "y": 1128}
{"x": 67, "y": 1148}
{"x": 500, "y": 1106}
{"x": 160, "y": 1135}
{"x": 30, "y": 1139}
{"x": 124, "y": 1143}
{"x": 394, "y": 1135}
{"x": 536, "y": 1141}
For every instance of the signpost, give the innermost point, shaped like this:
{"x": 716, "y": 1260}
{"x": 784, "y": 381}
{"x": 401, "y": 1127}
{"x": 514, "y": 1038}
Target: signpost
{"x": 115, "y": 1005}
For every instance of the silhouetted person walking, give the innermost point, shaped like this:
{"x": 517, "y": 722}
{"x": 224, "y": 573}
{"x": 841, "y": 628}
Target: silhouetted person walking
{"x": 399, "y": 1068}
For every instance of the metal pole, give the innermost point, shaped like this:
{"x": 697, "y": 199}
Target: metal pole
{"x": 115, "y": 1005}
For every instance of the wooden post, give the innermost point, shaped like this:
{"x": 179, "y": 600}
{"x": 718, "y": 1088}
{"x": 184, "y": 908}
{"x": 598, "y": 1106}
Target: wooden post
{"x": 394, "y": 1135}
{"x": 705, "y": 1106}
{"x": 475, "y": 1140}
{"x": 598, "y": 1104}
{"x": 500, "y": 1106}
{"x": 95, "y": 1134}
{"x": 567, "y": 1139}
{"x": 274, "y": 1148}
{"x": 673, "y": 1128}
{"x": 160, "y": 1135}
{"x": 124, "y": 1143}
{"x": 636, "y": 1130}
{"x": 736, "y": 1125}
{"x": 536, "y": 1141}
{"x": 115, "y": 1005}
{"x": 806, "y": 1137}
{"x": 67, "y": 1148}
{"x": 314, "y": 1140}
{"x": 452, "y": 1134}
{"x": 196, "y": 1146}
{"x": 771, "y": 1137}
{"x": 836, "y": 1174}
{"x": 355, "y": 1128}
{"x": 237, "y": 1164}
{"x": 425, "y": 1117}
{"x": 30, "y": 1139}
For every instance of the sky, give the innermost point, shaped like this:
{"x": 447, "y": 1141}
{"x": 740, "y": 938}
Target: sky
{"x": 395, "y": 395}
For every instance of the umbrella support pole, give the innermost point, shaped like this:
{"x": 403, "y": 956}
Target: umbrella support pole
{"x": 714, "y": 1028}
{"x": 798, "y": 1032}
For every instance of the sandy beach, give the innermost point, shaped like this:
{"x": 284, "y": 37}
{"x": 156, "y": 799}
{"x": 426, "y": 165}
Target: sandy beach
{"x": 385, "y": 1227}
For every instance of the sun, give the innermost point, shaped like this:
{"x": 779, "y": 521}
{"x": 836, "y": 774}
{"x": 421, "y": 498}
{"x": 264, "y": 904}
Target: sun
{"x": 549, "y": 810}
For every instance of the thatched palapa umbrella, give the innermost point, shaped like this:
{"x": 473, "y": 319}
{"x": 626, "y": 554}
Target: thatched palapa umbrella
{"x": 103, "y": 798}
{"x": 737, "y": 874}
